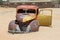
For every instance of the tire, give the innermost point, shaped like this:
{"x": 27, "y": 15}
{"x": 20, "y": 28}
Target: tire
{"x": 33, "y": 26}
{"x": 12, "y": 26}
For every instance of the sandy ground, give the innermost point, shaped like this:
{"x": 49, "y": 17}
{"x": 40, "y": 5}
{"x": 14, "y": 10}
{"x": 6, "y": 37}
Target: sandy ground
{"x": 44, "y": 33}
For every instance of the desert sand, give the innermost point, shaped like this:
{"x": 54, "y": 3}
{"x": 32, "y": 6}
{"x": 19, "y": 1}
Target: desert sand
{"x": 44, "y": 33}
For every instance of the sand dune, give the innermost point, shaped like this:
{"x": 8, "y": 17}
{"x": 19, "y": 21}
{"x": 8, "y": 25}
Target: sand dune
{"x": 44, "y": 33}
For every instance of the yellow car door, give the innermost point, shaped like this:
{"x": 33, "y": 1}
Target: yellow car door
{"x": 45, "y": 17}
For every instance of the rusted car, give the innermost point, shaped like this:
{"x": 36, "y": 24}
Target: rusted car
{"x": 29, "y": 18}
{"x": 26, "y": 19}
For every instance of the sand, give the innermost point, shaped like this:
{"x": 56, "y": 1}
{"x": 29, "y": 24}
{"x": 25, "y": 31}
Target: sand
{"x": 44, "y": 33}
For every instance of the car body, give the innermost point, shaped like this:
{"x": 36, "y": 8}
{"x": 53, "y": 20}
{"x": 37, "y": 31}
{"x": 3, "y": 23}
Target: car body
{"x": 28, "y": 19}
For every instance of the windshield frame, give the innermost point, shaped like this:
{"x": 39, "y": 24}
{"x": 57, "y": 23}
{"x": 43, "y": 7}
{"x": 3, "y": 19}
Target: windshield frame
{"x": 26, "y": 11}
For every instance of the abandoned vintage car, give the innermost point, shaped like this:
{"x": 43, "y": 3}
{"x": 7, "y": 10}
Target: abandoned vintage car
{"x": 29, "y": 18}
{"x": 26, "y": 19}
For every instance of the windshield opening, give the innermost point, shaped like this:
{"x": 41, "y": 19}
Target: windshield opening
{"x": 26, "y": 11}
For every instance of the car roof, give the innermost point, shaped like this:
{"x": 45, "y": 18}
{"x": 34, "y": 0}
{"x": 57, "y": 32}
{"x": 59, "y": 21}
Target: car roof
{"x": 27, "y": 7}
